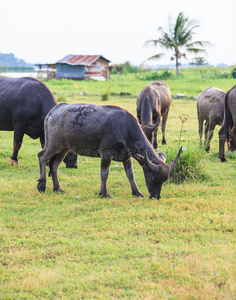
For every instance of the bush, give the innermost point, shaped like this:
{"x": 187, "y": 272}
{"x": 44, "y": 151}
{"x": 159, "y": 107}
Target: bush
{"x": 106, "y": 95}
{"x": 234, "y": 73}
{"x": 61, "y": 98}
{"x": 156, "y": 75}
{"x": 190, "y": 164}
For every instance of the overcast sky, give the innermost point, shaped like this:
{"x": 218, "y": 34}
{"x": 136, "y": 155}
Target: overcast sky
{"x": 44, "y": 31}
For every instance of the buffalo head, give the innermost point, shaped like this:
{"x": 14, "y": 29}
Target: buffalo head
{"x": 232, "y": 140}
{"x": 148, "y": 129}
{"x": 156, "y": 172}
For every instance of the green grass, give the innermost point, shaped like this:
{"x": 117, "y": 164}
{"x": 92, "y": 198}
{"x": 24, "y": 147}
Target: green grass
{"x": 79, "y": 246}
{"x": 190, "y": 82}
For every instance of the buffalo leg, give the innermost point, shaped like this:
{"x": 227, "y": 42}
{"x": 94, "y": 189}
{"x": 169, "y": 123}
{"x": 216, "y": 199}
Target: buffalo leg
{"x": 139, "y": 117}
{"x": 154, "y": 141}
{"x": 70, "y": 159}
{"x": 105, "y": 166}
{"x": 206, "y": 128}
{"x": 42, "y": 165}
{"x": 222, "y": 140}
{"x": 42, "y": 140}
{"x": 53, "y": 165}
{"x": 19, "y": 131}
{"x": 128, "y": 166}
{"x": 163, "y": 128}
{"x": 200, "y": 127}
{"x": 44, "y": 156}
{"x": 208, "y": 135}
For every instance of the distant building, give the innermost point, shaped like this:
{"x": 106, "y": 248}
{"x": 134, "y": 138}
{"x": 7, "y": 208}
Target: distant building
{"x": 77, "y": 67}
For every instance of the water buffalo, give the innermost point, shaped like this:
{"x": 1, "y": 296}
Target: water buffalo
{"x": 108, "y": 132}
{"x": 228, "y": 129}
{"x": 210, "y": 108}
{"x": 154, "y": 102}
{"x": 24, "y": 103}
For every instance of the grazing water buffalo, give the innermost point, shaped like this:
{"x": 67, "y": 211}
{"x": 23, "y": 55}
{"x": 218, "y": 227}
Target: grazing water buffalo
{"x": 108, "y": 132}
{"x": 24, "y": 103}
{"x": 228, "y": 129}
{"x": 210, "y": 108}
{"x": 154, "y": 102}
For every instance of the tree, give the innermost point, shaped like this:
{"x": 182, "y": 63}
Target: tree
{"x": 199, "y": 61}
{"x": 178, "y": 36}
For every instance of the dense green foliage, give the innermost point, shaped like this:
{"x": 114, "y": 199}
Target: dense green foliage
{"x": 234, "y": 73}
{"x": 199, "y": 61}
{"x": 10, "y": 63}
{"x": 79, "y": 246}
{"x": 126, "y": 67}
{"x": 7, "y": 69}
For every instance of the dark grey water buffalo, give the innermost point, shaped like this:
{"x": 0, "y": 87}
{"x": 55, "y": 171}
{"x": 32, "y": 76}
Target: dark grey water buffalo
{"x": 24, "y": 103}
{"x": 154, "y": 102}
{"x": 210, "y": 108}
{"x": 108, "y": 132}
{"x": 228, "y": 129}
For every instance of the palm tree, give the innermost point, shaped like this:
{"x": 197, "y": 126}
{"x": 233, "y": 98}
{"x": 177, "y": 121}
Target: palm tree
{"x": 178, "y": 36}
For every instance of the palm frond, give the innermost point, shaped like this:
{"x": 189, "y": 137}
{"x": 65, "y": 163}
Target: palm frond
{"x": 151, "y": 43}
{"x": 195, "y": 50}
{"x": 157, "y": 56}
{"x": 199, "y": 43}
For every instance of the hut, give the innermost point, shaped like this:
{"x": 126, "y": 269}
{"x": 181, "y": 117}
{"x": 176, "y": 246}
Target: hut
{"x": 77, "y": 67}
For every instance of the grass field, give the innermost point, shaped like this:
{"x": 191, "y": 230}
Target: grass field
{"x": 79, "y": 246}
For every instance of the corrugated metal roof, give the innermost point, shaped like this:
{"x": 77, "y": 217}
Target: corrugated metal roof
{"x": 81, "y": 60}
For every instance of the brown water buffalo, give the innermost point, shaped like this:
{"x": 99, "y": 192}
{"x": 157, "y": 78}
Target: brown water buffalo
{"x": 108, "y": 132}
{"x": 210, "y": 108}
{"x": 228, "y": 129}
{"x": 154, "y": 102}
{"x": 24, "y": 103}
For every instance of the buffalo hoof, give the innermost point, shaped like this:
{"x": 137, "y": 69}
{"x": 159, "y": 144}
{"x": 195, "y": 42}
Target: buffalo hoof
{"x": 13, "y": 162}
{"x": 223, "y": 159}
{"x": 138, "y": 194}
{"x": 59, "y": 190}
{"x": 105, "y": 195}
{"x": 41, "y": 186}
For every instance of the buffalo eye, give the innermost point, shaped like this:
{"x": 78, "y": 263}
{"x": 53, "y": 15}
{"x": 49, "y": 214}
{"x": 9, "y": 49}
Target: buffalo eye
{"x": 154, "y": 178}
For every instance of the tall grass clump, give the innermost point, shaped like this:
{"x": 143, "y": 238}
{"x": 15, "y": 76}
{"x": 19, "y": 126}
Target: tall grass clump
{"x": 106, "y": 94}
{"x": 61, "y": 98}
{"x": 190, "y": 165}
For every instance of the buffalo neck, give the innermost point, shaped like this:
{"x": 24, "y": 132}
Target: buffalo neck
{"x": 140, "y": 145}
{"x": 146, "y": 113}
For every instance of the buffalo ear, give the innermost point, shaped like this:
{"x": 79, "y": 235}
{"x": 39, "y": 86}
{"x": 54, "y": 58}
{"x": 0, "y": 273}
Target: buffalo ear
{"x": 162, "y": 156}
{"x": 140, "y": 159}
{"x": 156, "y": 124}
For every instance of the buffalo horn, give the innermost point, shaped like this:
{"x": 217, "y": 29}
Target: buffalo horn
{"x": 173, "y": 164}
{"x": 149, "y": 164}
{"x": 156, "y": 124}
